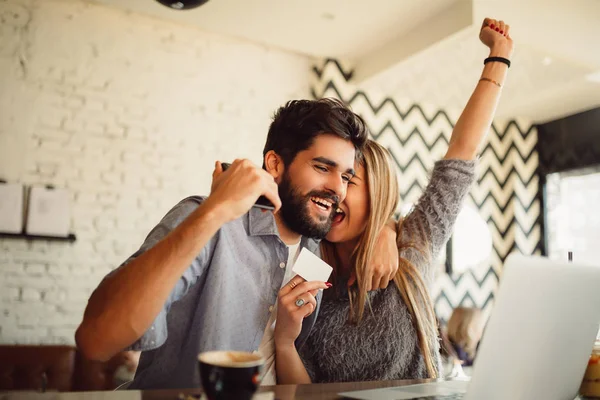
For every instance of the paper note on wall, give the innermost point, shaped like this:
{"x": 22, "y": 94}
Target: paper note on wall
{"x": 48, "y": 212}
{"x": 11, "y": 208}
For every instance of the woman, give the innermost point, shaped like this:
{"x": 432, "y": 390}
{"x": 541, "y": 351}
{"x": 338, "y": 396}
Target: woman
{"x": 389, "y": 333}
{"x": 465, "y": 329}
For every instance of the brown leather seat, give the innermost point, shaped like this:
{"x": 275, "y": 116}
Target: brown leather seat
{"x": 60, "y": 368}
{"x": 37, "y": 367}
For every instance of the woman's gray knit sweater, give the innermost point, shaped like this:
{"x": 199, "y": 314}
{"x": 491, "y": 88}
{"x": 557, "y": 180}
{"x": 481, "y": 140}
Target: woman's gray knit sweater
{"x": 384, "y": 346}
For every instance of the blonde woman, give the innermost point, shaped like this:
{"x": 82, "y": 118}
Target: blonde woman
{"x": 389, "y": 333}
{"x": 465, "y": 328}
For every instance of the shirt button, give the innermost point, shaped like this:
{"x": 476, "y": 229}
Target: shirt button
{"x": 270, "y": 308}
{"x": 152, "y": 328}
{"x": 282, "y": 265}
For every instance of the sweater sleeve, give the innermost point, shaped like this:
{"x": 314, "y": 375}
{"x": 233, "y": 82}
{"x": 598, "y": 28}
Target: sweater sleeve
{"x": 430, "y": 223}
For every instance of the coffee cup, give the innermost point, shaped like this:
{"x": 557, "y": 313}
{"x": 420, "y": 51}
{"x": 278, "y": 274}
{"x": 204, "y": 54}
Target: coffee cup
{"x": 230, "y": 375}
{"x": 590, "y": 386}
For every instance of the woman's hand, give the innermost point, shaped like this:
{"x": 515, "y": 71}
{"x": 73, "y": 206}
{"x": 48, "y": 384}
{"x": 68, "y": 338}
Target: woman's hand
{"x": 291, "y": 311}
{"x": 495, "y": 35}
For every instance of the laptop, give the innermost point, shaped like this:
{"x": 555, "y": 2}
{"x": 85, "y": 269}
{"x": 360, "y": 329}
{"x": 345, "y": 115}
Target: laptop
{"x": 537, "y": 341}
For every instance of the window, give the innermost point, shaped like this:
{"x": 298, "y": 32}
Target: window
{"x": 573, "y": 215}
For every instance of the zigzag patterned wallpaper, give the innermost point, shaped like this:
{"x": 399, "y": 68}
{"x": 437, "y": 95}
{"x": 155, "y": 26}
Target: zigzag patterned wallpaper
{"x": 506, "y": 194}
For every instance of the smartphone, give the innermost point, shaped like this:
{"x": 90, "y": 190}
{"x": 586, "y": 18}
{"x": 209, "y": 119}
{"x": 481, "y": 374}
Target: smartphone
{"x": 262, "y": 201}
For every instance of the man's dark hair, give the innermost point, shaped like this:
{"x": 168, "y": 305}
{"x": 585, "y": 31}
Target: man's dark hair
{"x": 296, "y": 125}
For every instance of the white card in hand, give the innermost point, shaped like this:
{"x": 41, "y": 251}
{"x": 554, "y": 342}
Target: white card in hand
{"x": 311, "y": 267}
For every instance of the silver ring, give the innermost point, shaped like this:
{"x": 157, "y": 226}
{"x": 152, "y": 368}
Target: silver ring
{"x": 300, "y": 302}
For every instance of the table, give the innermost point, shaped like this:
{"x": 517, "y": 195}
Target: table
{"x": 326, "y": 391}
{"x": 282, "y": 392}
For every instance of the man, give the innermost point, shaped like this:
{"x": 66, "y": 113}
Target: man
{"x": 208, "y": 275}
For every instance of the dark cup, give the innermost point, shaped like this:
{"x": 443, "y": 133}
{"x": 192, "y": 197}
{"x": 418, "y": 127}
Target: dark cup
{"x": 230, "y": 375}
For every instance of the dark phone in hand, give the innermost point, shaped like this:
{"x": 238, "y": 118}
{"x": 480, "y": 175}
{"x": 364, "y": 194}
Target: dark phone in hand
{"x": 262, "y": 201}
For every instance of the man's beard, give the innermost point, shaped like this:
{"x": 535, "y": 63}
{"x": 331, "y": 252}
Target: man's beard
{"x": 296, "y": 214}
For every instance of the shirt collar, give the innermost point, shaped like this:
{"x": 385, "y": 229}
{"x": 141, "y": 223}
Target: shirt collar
{"x": 263, "y": 224}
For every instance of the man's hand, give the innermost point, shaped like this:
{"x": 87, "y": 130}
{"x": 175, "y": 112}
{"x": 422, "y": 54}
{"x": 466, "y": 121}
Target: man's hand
{"x": 383, "y": 266}
{"x": 234, "y": 191}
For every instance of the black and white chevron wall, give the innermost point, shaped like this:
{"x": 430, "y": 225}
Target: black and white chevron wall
{"x": 506, "y": 193}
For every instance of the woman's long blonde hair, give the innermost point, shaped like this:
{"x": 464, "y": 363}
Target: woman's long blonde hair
{"x": 383, "y": 201}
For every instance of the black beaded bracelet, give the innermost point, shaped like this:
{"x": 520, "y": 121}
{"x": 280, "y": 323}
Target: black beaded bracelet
{"x": 498, "y": 59}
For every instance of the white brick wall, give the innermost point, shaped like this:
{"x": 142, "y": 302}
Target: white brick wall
{"x": 129, "y": 113}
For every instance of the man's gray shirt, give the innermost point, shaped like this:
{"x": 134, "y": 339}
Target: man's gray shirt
{"x": 221, "y": 302}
